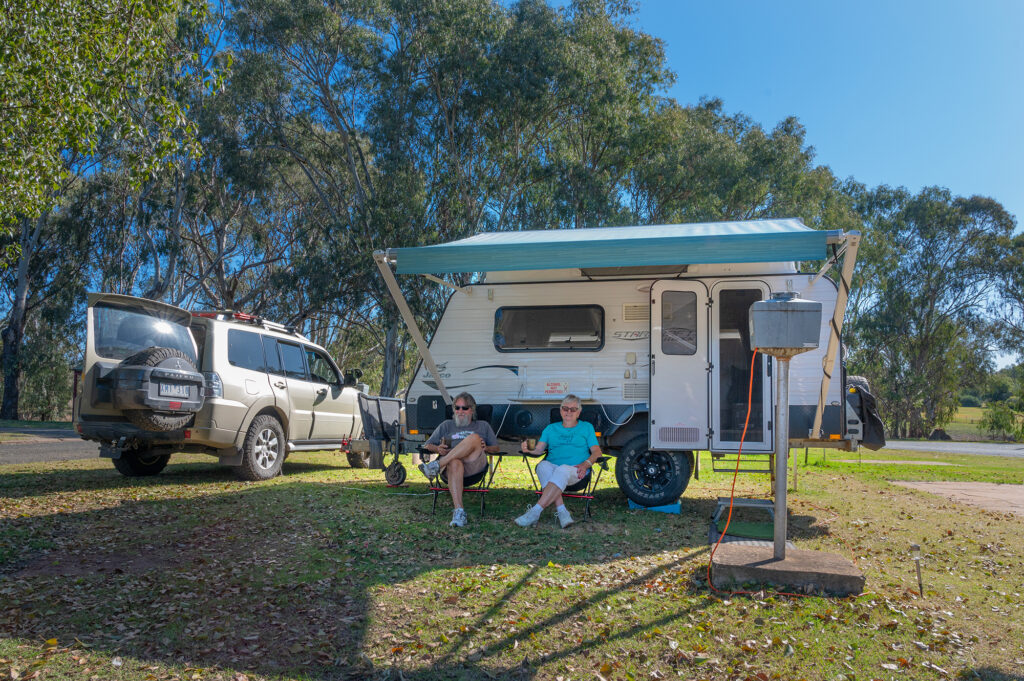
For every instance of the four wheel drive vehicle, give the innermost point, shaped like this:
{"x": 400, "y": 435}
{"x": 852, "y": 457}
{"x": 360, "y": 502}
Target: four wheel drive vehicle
{"x": 158, "y": 379}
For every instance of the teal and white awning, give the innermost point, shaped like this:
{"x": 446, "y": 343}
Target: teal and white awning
{"x": 708, "y": 242}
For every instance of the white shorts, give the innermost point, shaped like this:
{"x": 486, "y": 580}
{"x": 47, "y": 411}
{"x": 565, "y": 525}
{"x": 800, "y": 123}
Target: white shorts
{"x": 561, "y": 476}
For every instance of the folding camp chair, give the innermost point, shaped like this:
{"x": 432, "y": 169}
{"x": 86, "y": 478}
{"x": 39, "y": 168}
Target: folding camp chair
{"x": 382, "y": 428}
{"x": 585, "y": 488}
{"x": 478, "y": 483}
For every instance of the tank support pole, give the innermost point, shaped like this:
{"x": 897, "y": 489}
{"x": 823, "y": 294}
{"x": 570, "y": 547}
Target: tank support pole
{"x": 781, "y": 454}
{"x": 829, "y": 361}
{"x": 380, "y": 257}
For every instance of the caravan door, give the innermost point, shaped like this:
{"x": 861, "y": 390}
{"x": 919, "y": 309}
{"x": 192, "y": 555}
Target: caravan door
{"x": 679, "y": 366}
{"x": 731, "y": 380}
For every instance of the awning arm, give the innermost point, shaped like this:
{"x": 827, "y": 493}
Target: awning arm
{"x": 828, "y": 264}
{"x": 381, "y": 258}
{"x": 836, "y": 325}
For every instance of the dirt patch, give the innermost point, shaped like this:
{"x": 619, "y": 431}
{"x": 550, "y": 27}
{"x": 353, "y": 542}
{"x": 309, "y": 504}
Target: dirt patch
{"x": 899, "y": 462}
{"x": 68, "y": 565}
{"x": 987, "y": 495}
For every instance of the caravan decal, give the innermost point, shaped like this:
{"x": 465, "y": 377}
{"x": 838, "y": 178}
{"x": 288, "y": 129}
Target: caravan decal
{"x": 511, "y": 367}
{"x": 433, "y": 384}
{"x": 640, "y": 334}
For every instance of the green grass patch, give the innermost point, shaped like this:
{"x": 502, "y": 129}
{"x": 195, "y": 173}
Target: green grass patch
{"x": 326, "y": 573}
{"x": 8, "y": 423}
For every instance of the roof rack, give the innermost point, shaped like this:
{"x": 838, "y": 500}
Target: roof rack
{"x": 232, "y": 316}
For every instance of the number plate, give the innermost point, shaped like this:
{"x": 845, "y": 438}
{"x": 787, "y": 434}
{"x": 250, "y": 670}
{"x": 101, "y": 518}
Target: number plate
{"x": 173, "y": 390}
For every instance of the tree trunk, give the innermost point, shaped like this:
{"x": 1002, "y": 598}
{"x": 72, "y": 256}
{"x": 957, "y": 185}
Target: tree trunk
{"x": 394, "y": 360}
{"x": 11, "y": 361}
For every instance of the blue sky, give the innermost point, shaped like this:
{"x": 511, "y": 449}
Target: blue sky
{"x": 906, "y": 92}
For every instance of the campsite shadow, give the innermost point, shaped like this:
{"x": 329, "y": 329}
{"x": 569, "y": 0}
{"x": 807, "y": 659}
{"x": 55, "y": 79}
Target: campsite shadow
{"x": 282, "y": 578}
{"x": 29, "y": 484}
{"x": 988, "y": 674}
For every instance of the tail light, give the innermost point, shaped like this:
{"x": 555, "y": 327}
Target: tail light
{"x": 214, "y": 386}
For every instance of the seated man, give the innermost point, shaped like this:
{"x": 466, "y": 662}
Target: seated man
{"x": 463, "y": 443}
{"x": 573, "y": 450}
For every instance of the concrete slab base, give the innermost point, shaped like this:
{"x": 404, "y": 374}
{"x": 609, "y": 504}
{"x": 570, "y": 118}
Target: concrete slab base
{"x": 801, "y": 571}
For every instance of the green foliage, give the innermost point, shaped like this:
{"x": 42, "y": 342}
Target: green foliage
{"x": 969, "y": 400}
{"x": 1002, "y": 421}
{"x": 73, "y": 71}
{"x": 929, "y": 265}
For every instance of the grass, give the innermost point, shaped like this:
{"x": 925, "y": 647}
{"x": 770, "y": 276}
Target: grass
{"x": 325, "y": 573}
{"x": 964, "y": 425}
{"x": 8, "y": 423}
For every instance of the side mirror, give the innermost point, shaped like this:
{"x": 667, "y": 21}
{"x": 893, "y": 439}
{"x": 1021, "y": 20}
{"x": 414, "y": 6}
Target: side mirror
{"x": 352, "y": 376}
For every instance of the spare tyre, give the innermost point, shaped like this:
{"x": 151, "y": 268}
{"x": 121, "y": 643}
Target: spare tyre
{"x": 858, "y": 382}
{"x": 158, "y": 389}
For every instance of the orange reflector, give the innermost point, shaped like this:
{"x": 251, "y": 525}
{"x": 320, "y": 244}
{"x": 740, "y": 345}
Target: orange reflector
{"x": 835, "y": 436}
{"x": 598, "y": 433}
{"x": 414, "y": 432}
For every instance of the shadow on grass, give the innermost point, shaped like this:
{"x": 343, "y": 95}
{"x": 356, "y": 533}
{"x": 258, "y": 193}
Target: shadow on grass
{"x": 988, "y": 674}
{"x": 287, "y": 577}
{"x": 29, "y": 484}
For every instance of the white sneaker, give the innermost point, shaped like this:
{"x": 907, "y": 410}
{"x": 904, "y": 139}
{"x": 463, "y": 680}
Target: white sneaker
{"x": 564, "y": 517}
{"x": 459, "y": 518}
{"x": 528, "y": 519}
{"x": 430, "y": 469}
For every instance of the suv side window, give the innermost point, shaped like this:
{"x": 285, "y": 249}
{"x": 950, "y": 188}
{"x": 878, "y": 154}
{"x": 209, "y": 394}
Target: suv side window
{"x": 270, "y": 351}
{"x": 292, "y": 360}
{"x": 320, "y": 368}
{"x": 245, "y": 350}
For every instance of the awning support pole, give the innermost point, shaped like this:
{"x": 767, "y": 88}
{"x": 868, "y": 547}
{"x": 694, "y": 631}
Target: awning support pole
{"x": 380, "y": 257}
{"x": 836, "y": 326}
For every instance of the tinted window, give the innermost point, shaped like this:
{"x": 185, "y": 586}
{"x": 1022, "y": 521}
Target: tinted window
{"x": 119, "y": 333}
{"x": 679, "y": 322}
{"x": 245, "y": 350}
{"x": 320, "y": 369}
{"x": 292, "y": 360}
{"x": 576, "y": 327}
{"x": 270, "y": 354}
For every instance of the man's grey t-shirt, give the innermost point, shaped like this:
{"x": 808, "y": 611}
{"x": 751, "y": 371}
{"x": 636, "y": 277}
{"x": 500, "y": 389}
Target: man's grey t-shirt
{"x": 449, "y": 430}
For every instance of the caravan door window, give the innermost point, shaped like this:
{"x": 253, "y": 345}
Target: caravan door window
{"x": 549, "y": 328}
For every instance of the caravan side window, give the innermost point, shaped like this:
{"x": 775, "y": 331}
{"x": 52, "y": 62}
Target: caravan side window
{"x": 549, "y": 328}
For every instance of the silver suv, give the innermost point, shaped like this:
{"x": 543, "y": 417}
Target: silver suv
{"x": 158, "y": 379}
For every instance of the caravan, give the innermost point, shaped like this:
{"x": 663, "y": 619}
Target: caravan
{"x": 649, "y": 326}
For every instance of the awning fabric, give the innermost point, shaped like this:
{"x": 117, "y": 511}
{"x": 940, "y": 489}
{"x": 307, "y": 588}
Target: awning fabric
{"x": 710, "y": 242}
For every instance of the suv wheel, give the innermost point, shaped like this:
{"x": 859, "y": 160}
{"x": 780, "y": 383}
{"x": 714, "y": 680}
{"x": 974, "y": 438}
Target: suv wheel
{"x": 264, "y": 449}
{"x": 147, "y": 419}
{"x": 139, "y": 463}
{"x": 651, "y": 478}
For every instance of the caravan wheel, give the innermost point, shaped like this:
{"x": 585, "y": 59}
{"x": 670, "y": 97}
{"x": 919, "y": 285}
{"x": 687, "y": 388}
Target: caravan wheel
{"x": 651, "y": 478}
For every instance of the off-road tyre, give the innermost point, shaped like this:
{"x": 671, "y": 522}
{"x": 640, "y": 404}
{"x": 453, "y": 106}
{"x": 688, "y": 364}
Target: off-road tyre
{"x": 358, "y": 460}
{"x": 263, "y": 450}
{"x": 140, "y": 463}
{"x": 858, "y": 382}
{"x": 147, "y": 419}
{"x": 651, "y": 478}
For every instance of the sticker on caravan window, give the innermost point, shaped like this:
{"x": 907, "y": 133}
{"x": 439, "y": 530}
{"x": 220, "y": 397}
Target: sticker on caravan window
{"x": 556, "y": 388}
{"x": 632, "y": 335}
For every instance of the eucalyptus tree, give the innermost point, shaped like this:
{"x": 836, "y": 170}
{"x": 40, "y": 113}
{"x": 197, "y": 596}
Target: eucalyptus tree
{"x": 71, "y": 72}
{"x": 929, "y": 269}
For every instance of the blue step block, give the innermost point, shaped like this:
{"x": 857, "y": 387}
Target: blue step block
{"x": 667, "y": 508}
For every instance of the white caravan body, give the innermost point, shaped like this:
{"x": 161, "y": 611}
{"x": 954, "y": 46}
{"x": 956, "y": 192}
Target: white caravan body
{"x": 668, "y": 357}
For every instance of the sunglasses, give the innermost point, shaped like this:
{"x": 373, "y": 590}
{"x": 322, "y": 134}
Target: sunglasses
{"x": 570, "y": 408}
{"x": 462, "y": 408}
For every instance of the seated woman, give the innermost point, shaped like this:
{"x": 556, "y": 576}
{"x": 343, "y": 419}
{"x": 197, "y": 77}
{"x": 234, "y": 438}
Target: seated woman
{"x": 572, "y": 449}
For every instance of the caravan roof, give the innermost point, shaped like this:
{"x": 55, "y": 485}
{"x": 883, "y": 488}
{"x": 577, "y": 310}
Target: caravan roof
{"x": 638, "y": 246}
